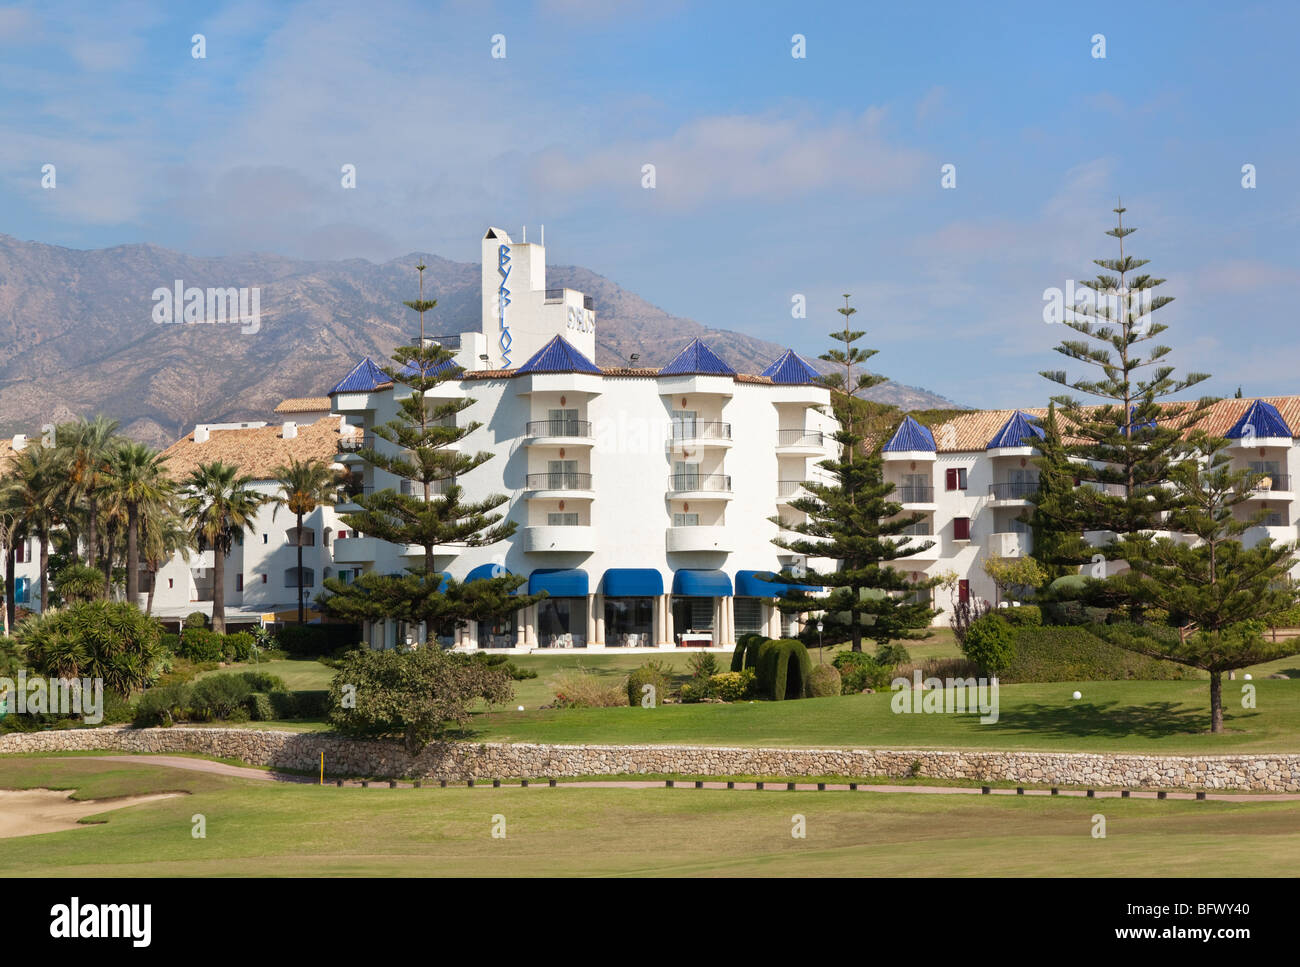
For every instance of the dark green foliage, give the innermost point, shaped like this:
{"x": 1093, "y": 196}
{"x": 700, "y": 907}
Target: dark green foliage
{"x": 783, "y": 669}
{"x": 163, "y": 705}
{"x": 654, "y": 673}
{"x": 859, "y": 670}
{"x": 823, "y": 681}
{"x": 305, "y": 641}
{"x": 263, "y": 681}
{"x": 170, "y": 642}
{"x": 1057, "y": 546}
{"x": 237, "y": 646}
{"x": 738, "y": 654}
{"x": 703, "y": 666}
{"x": 200, "y": 644}
{"x": 1025, "y": 615}
{"x": 504, "y": 663}
{"x": 756, "y": 642}
{"x": 260, "y": 708}
{"x": 990, "y": 643}
{"x": 113, "y": 641}
{"x": 79, "y": 583}
{"x": 891, "y": 656}
{"x": 219, "y": 697}
{"x": 1070, "y": 654}
{"x": 197, "y": 619}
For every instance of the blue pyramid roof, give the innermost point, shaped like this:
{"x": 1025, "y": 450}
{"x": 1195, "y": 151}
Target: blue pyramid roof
{"x": 697, "y": 359}
{"x": 910, "y": 435}
{"x": 447, "y": 365}
{"x": 364, "y": 378}
{"x": 1264, "y": 421}
{"x": 1015, "y": 431}
{"x": 559, "y": 356}
{"x": 791, "y": 368}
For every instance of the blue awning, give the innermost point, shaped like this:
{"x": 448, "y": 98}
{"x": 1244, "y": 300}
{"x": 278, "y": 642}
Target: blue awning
{"x": 633, "y": 582}
{"x": 699, "y": 583}
{"x": 559, "y": 582}
{"x": 445, "y": 580}
{"x": 750, "y": 584}
{"x": 487, "y": 571}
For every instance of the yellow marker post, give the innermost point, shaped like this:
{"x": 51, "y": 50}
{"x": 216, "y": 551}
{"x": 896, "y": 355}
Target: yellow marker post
{"x": 322, "y": 768}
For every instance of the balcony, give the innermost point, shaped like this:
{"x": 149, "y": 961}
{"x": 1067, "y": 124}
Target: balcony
{"x": 800, "y": 443}
{"x": 697, "y": 433}
{"x": 917, "y": 497}
{"x": 541, "y": 538}
{"x": 349, "y": 446}
{"x": 356, "y": 550}
{"x": 558, "y": 433}
{"x": 1271, "y": 486}
{"x": 694, "y": 486}
{"x": 788, "y": 490}
{"x": 346, "y": 504}
{"x": 1008, "y": 544}
{"x": 682, "y": 540}
{"x": 558, "y": 484}
{"x": 1012, "y": 494}
{"x": 413, "y": 488}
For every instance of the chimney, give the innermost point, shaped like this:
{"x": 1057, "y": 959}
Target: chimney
{"x": 289, "y": 431}
{"x": 200, "y": 433}
{"x": 20, "y": 442}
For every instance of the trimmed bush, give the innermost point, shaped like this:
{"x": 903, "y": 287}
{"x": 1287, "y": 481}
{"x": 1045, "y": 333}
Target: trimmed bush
{"x": 738, "y": 656}
{"x": 651, "y": 673}
{"x": 312, "y": 704}
{"x": 783, "y": 669}
{"x": 756, "y": 642}
{"x": 733, "y": 686}
{"x": 260, "y": 708}
{"x": 163, "y": 705}
{"x": 200, "y": 644}
{"x": 219, "y": 696}
{"x": 263, "y": 681}
{"x": 196, "y": 619}
{"x": 823, "y": 681}
{"x": 237, "y": 646}
{"x": 1070, "y": 654}
{"x": 990, "y": 643}
{"x": 312, "y": 640}
{"x": 1027, "y": 615}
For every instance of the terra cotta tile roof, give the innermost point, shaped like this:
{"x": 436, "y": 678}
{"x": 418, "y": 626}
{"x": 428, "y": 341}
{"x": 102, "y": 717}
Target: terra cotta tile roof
{"x": 256, "y": 451}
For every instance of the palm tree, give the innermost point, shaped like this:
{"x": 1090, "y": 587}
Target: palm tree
{"x": 136, "y": 479}
{"x": 85, "y": 447}
{"x": 304, "y": 485}
{"x": 162, "y": 534}
{"x": 31, "y": 493}
{"x": 217, "y": 502}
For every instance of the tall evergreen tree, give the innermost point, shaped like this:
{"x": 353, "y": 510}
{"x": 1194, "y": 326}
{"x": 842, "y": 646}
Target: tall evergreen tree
{"x": 1057, "y": 543}
{"x": 853, "y": 522}
{"x": 430, "y": 510}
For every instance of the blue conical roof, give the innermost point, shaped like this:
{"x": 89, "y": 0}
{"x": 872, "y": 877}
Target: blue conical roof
{"x": 1015, "y": 431}
{"x": 364, "y": 378}
{"x": 697, "y": 359}
{"x": 1264, "y": 421}
{"x": 559, "y": 356}
{"x": 791, "y": 368}
{"x": 910, "y": 435}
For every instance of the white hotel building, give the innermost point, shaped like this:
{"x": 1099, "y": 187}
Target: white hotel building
{"x": 642, "y": 497}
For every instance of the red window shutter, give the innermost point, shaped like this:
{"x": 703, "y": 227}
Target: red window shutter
{"x": 963, "y": 591}
{"x": 263, "y": 578}
{"x": 950, "y": 479}
{"x": 961, "y": 528}
{"x": 239, "y": 582}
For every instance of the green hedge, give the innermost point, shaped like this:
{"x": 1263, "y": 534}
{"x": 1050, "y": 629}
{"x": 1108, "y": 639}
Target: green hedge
{"x": 1063, "y": 654}
{"x": 324, "y": 639}
{"x": 823, "y": 681}
{"x": 652, "y": 673}
{"x": 774, "y": 673}
{"x": 1026, "y": 614}
{"x": 260, "y": 708}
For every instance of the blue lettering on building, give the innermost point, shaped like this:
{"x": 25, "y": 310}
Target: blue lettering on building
{"x": 503, "y": 266}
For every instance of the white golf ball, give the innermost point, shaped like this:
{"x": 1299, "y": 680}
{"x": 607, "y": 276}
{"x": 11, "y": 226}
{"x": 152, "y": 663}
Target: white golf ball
{"x": 1246, "y": 676}
{"x": 1077, "y": 695}
{"x": 521, "y": 708}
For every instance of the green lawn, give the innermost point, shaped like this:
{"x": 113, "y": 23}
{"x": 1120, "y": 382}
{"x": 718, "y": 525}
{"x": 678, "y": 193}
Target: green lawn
{"x": 299, "y": 674}
{"x": 1143, "y": 717}
{"x": 271, "y": 829}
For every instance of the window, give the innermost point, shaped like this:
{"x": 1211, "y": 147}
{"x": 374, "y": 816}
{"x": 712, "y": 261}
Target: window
{"x": 263, "y": 578}
{"x": 325, "y": 536}
{"x": 265, "y": 538}
{"x": 686, "y": 476}
{"x": 961, "y": 528}
{"x": 20, "y": 552}
{"x": 684, "y": 424}
{"x": 562, "y": 623}
{"x": 686, "y": 520}
{"x": 291, "y": 577}
{"x": 563, "y": 422}
{"x": 954, "y": 478}
{"x": 628, "y": 622}
{"x": 920, "y": 529}
{"x": 749, "y": 616}
{"x": 343, "y": 535}
{"x": 500, "y": 633}
{"x": 239, "y": 538}
{"x": 171, "y": 582}
{"x": 562, "y": 473}
{"x": 21, "y": 586}
{"x": 239, "y": 582}
{"x": 562, "y": 520}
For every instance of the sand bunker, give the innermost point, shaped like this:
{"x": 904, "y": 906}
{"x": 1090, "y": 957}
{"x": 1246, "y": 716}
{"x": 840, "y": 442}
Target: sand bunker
{"x": 26, "y": 812}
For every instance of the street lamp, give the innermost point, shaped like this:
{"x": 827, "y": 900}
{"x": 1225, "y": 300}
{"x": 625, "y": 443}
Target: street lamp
{"x": 819, "y": 644}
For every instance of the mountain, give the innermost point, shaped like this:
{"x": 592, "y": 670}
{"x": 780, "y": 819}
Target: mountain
{"x": 77, "y": 334}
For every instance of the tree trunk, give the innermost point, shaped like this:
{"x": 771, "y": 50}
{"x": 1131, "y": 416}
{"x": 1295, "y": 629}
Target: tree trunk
{"x": 1216, "y": 701}
{"x": 11, "y": 602}
{"x": 45, "y": 571}
{"x": 218, "y": 590}
{"x": 857, "y": 629}
{"x": 92, "y": 542}
{"x": 132, "y": 553}
{"x": 302, "y": 616}
{"x": 153, "y": 583}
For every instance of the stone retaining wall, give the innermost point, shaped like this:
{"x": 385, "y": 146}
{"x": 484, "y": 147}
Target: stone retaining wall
{"x": 382, "y": 759}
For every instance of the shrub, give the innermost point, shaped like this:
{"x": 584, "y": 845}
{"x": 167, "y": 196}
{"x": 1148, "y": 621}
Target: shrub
{"x": 756, "y": 642}
{"x": 783, "y": 669}
{"x": 823, "y": 681}
{"x": 502, "y": 662}
{"x": 78, "y": 584}
{"x": 939, "y": 668}
{"x": 219, "y": 696}
{"x": 1073, "y": 613}
{"x": 200, "y": 644}
{"x": 891, "y": 656}
{"x": 859, "y": 671}
{"x": 733, "y": 686}
{"x": 1073, "y": 653}
{"x": 694, "y": 691}
{"x": 964, "y": 614}
{"x": 263, "y": 681}
{"x": 703, "y": 665}
{"x": 310, "y": 703}
{"x": 583, "y": 688}
{"x": 197, "y": 619}
{"x": 1027, "y": 615}
{"x": 238, "y": 646}
{"x": 654, "y": 673}
{"x": 163, "y": 705}
{"x": 738, "y": 655}
{"x": 260, "y": 708}
{"x": 111, "y": 640}
{"x": 170, "y": 642}
{"x": 990, "y": 643}
{"x": 323, "y": 639}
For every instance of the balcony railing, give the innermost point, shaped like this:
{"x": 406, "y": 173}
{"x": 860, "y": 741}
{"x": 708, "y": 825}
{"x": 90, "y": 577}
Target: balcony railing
{"x": 919, "y": 494}
{"x": 1265, "y": 482}
{"x": 788, "y": 488}
{"x": 1013, "y": 490}
{"x": 358, "y": 441}
{"x": 800, "y": 438}
{"x": 354, "y": 490}
{"x": 573, "y": 428}
{"x": 697, "y": 430}
{"x": 414, "y": 488}
{"x": 559, "y": 481}
{"x": 719, "y": 482}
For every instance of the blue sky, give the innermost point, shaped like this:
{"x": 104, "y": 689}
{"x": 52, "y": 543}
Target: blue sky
{"x": 775, "y": 176}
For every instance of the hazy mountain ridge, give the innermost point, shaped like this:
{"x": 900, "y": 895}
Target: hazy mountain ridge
{"x": 77, "y": 335}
